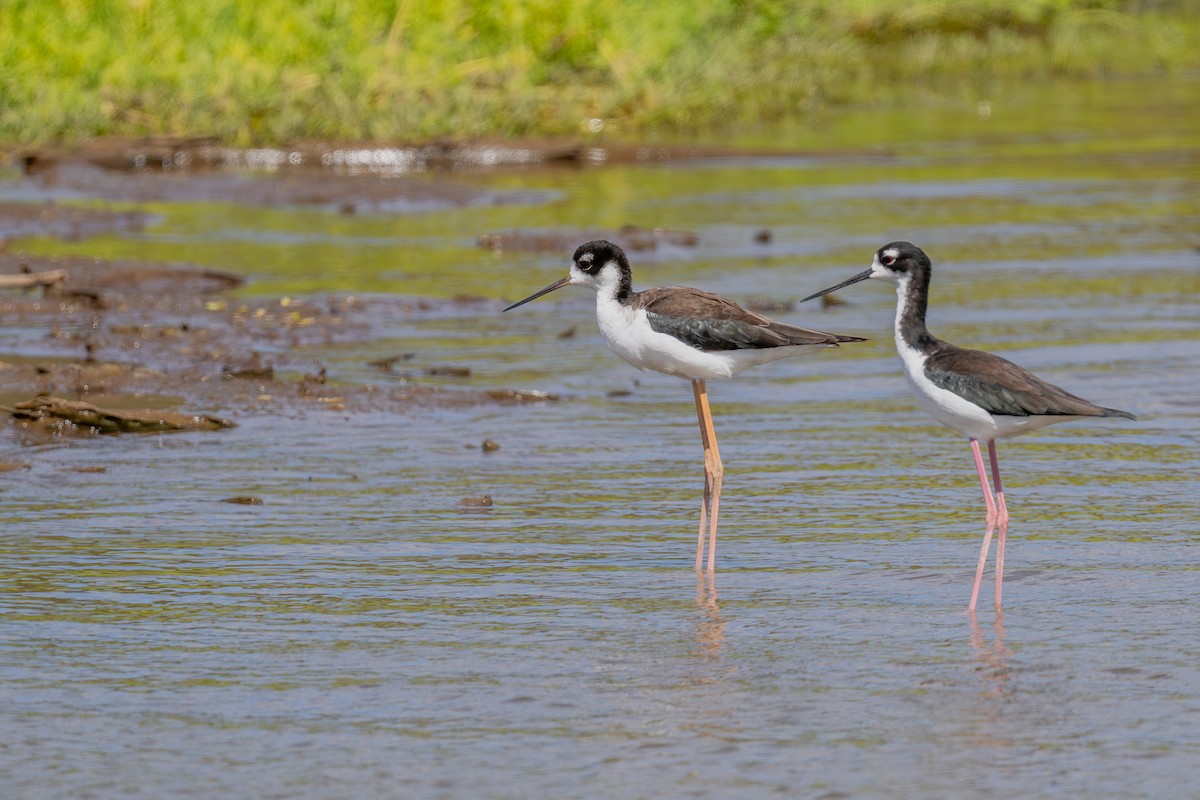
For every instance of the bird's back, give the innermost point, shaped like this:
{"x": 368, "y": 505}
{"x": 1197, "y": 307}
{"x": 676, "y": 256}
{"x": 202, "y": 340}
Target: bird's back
{"x": 1002, "y": 388}
{"x": 709, "y": 321}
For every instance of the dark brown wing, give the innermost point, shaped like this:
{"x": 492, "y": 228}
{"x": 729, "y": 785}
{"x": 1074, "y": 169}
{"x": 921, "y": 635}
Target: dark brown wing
{"x": 708, "y": 321}
{"x": 1001, "y": 387}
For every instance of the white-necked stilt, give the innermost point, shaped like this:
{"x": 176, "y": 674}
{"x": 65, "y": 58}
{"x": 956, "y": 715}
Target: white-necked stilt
{"x": 982, "y": 396}
{"x": 687, "y": 333}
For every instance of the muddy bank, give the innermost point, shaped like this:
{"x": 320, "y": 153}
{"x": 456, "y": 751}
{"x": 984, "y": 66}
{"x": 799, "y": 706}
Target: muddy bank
{"x": 346, "y": 177}
{"x": 116, "y": 330}
{"x": 58, "y": 416}
{"x": 345, "y": 193}
{"x": 201, "y": 153}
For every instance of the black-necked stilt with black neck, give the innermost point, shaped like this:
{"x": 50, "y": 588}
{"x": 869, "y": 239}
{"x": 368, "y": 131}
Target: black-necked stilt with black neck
{"x": 982, "y": 396}
{"x": 687, "y": 333}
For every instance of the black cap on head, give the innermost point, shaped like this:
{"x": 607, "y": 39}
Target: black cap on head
{"x": 591, "y": 256}
{"x": 902, "y": 256}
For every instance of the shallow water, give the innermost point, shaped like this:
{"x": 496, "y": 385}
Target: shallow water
{"x": 361, "y": 634}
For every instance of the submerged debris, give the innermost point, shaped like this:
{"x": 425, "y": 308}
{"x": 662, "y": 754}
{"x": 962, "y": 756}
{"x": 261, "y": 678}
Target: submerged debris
{"x": 26, "y": 280}
{"x": 483, "y": 501}
{"x": 68, "y": 416}
{"x": 449, "y": 372}
{"x": 244, "y": 500}
{"x": 386, "y": 364}
{"x": 252, "y": 368}
{"x": 520, "y": 396}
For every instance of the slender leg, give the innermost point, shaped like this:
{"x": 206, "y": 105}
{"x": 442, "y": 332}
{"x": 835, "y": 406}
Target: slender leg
{"x": 714, "y": 473}
{"x": 1002, "y": 522}
{"x": 1002, "y": 508}
{"x": 718, "y": 478}
{"x": 991, "y": 523}
{"x": 698, "y": 391}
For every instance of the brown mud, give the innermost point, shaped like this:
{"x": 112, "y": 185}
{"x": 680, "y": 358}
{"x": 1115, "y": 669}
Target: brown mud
{"x": 122, "y": 329}
{"x": 56, "y": 415}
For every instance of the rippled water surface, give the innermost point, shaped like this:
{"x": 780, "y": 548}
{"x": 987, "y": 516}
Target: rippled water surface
{"x": 362, "y": 634}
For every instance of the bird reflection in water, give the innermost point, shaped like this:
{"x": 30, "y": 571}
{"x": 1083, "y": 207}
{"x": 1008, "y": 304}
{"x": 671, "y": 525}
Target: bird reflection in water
{"x": 710, "y": 627}
{"x": 993, "y": 657}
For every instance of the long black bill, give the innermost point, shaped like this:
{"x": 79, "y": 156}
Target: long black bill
{"x": 556, "y": 285}
{"x": 862, "y": 276}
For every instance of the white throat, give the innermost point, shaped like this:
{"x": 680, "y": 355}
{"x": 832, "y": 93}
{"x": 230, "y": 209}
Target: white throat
{"x": 606, "y": 282}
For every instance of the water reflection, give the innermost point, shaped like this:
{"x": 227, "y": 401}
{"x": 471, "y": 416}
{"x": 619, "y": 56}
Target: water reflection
{"x": 992, "y": 657}
{"x": 710, "y": 626}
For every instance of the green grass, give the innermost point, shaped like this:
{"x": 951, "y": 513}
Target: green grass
{"x": 277, "y": 70}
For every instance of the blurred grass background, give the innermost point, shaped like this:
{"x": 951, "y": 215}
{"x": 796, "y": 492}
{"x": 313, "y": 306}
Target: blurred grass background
{"x": 402, "y": 70}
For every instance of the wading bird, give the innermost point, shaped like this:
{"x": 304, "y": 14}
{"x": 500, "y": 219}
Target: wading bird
{"x": 687, "y": 333}
{"x": 982, "y": 396}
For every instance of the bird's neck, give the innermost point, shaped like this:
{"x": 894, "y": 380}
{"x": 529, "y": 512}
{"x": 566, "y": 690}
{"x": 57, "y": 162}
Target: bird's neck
{"x": 912, "y": 298}
{"x": 615, "y": 286}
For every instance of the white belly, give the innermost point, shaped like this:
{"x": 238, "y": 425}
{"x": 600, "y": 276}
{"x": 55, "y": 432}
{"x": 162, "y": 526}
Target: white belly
{"x": 628, "y": 333}
{"x": 961, "y": 415}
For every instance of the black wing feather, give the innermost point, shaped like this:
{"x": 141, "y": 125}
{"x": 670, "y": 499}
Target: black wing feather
{"x": 708, "y": 321}
{"x": 1003, "y": 388}
{"x": 711, "y": 334}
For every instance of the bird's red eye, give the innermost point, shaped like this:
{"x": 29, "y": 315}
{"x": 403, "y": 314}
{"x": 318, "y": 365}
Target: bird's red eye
{"x": 887, "y": 260}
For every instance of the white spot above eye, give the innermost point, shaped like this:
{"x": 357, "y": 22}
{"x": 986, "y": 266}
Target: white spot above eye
{"x": 891, "y": 252}
{"x": 586, "y": 258}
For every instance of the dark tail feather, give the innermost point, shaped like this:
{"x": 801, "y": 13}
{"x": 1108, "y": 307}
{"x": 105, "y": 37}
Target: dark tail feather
{"x": 1113, "y": 412}
{"x": 797, "y": 335}
{"x": 836, "y": 338}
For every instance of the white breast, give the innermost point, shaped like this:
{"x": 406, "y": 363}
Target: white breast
{"x": 953, "y": 411}
{"x": 943, "y": 405}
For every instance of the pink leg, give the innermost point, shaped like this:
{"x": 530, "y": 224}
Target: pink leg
{"x": 705, "y": 503}
{"x": 1002, "y": 533}
{"x": 991, "y": 523}
{"x": 706, "y": 500}
{"x": 1003, "y": 509}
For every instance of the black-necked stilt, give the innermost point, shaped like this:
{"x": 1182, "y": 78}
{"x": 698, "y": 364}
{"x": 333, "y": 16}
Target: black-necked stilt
{"x": 982, "y": 396}
{"x": 687, "y": 333}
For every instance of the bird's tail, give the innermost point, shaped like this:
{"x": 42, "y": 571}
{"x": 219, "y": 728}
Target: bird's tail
{"x": 797, "y": 335}
{"x": 1113, "y": 412}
